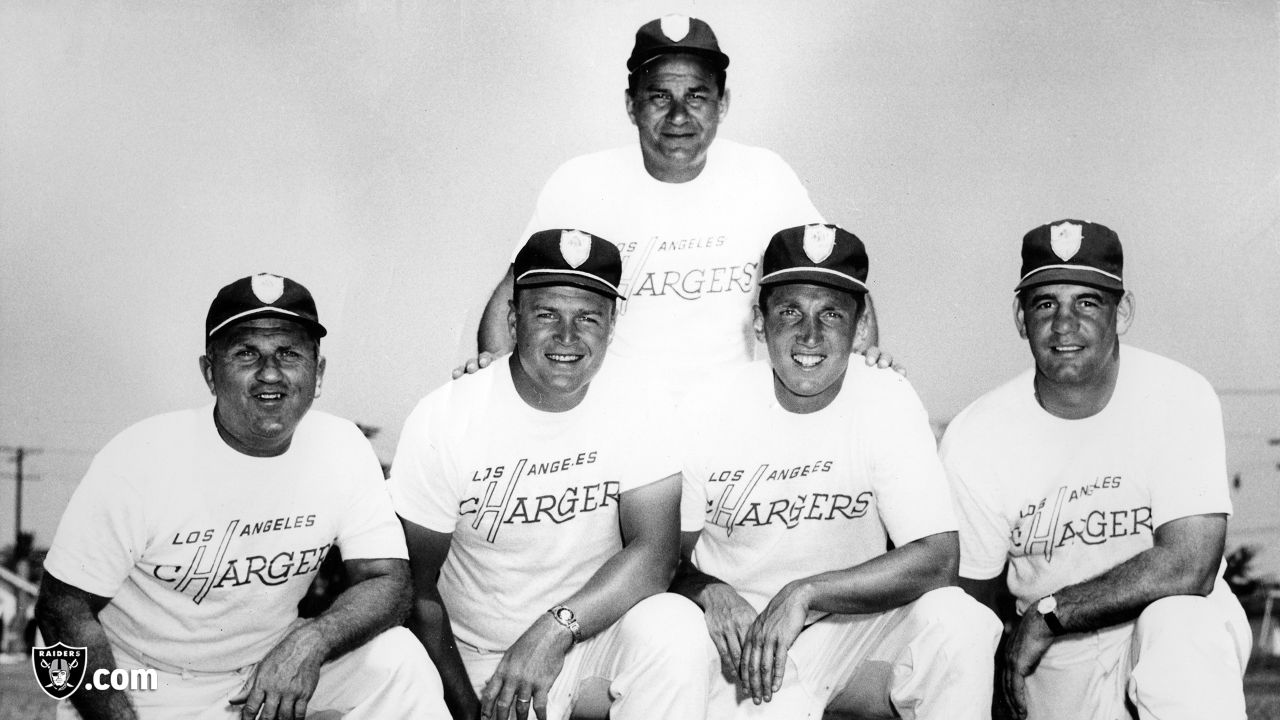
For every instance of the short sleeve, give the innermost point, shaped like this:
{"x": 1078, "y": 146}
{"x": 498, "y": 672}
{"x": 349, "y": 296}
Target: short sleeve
{"x": 420, "y": 488}
{"x": 984, "y": 532}
{"x": 103, "y": 530}
{"x": 1190, "y": 475}
{"x": 693, "y": 488}
{"x": 368, "y": 528}
{"x": 908, "y": 480}
{"x": 789, "y": 199}
{"x": 651, "y": 443}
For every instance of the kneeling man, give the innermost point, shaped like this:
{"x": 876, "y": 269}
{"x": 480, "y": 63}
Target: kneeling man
{"x": 193, "y": 536}
{"x": 541, "y": 500}
{"x": 1099, "y": 477}
{"x": 802, "y": 471}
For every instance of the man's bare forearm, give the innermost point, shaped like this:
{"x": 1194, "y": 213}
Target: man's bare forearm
{"x": 1184, "y": 561}
{"x": 377, "y": 600}
{"x": 429, "y": 621}
{"x": 888, "y": 581}
{"x": 69, "y": 615}
{"x": 644, "y": 567}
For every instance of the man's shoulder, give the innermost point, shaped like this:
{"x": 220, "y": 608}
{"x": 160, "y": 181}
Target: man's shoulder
{"x": 159, "y": 429}
{"x": 731, "y": 151}
{"x": 593, "y": 164}
{"x": 995, "y": 407}
{"x": 731, "y": 389}
{"x": 1159, "y": 373}
{"x": 329, "y": 427}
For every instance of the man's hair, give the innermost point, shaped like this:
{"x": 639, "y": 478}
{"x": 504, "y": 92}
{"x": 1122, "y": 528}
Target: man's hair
{"x": 859, "y": 299}
{"x": 633, "y": 79}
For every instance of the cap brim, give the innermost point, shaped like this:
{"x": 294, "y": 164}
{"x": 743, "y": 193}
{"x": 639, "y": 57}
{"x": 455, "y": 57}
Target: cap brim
{"x": 584, "y": 281}
{"x": 1072, "y": 275}
{"x": 817, "y": 276}
{"x": 311, "y": 326}
{"x": 718, "y": 60}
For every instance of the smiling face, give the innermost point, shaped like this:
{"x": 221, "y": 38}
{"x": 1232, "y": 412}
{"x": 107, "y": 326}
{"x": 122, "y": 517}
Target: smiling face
{"x": 676, "y": 107}
{"x": 264, "y": 373}
{"x": 561, "y": 333}
{"x": 810, "y": 332}
{"x": 1073, "y": 331}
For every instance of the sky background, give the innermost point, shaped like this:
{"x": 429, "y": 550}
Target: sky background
{"x": 387, "y": 154}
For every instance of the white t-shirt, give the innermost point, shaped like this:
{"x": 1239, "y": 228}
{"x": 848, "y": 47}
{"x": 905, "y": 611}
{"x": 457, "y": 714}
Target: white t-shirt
{"x": 1065, "y": 500}
{"x": 781, "y": 496}
{"x": 530, "y": 497}
{"x": 690, "y": 251}
{"x": 204, "y": 551}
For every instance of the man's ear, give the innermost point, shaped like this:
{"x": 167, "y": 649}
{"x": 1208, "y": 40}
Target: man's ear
{"x": 511, "y": 320}
{"x": 631, "y": 106}
{"x": 1019, "y": 321}
{"x": 1125, "y": 311}
{"x": 319, "y": 375}
{"x": 757, "y": 322}
{"x": 206, "y": 371}
{"x": 724, "y": 104}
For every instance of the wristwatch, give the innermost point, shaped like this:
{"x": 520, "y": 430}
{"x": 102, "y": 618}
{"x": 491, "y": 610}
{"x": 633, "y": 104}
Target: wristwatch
{"x": 565, "y": 617}
{"x": 1047, "y": 606}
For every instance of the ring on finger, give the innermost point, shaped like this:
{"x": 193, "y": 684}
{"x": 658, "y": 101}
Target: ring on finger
{"x": 523, "y": 700}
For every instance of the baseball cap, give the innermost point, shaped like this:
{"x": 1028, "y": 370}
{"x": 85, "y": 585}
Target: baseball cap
{"x": 818, "y": 253}
{"x": 263, "y": 295}
{"x": 1072, "y": 251}
{"x": 672, "y": 34}
{"x": 569, "y": 257}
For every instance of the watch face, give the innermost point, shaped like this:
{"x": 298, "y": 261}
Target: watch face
{"x": 1047, "y": 605}
{"x": 565, "y": 614}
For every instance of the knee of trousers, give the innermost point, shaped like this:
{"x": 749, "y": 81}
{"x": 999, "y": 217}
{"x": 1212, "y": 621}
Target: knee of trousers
{"x": 396, "y": 654}
{"x": 669, "y": 625}
{"x": 1178, "y": 618}
{"x": 964, "y": 626}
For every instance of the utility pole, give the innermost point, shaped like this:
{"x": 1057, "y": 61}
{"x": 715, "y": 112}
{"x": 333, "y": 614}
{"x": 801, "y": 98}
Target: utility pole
{"x": 19, "y": 454}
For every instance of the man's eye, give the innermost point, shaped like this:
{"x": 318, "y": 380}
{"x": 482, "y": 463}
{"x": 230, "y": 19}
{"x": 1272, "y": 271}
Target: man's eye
{"x": 246, "y": 354}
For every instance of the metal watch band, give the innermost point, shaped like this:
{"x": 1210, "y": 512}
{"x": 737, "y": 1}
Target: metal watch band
{"x": 568, "y": 619}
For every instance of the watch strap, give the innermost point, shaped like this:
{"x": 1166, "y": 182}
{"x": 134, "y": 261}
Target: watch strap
{"x": 568, "y": 619}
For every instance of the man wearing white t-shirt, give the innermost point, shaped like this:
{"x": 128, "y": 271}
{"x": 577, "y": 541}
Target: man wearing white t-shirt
{"x": 541, "y": 502}
{"x": 690, "y": 214}
{"x": 1099, "y": 479}
{"x": 799, "y": 472}
{"x": 194, "y": 534}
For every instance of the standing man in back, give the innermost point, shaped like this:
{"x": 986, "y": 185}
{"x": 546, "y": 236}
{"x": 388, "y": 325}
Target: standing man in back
{"x": 691, "y": 214}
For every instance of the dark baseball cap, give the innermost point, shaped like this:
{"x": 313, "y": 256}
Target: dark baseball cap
{"x": 818, "y": 253}
{"x": 263, "y": 295}
{"x": 672, "y": 34}
{"x": 1072, "y": 251}
{"x": 569, "y": 257}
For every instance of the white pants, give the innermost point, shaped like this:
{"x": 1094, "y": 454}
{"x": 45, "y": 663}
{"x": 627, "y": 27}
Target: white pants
{"x": 388, "y": 677}
{"x": 1182, "y": 659}
{"x": 652, "y": 663}
{"x": 932, "y": 658}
